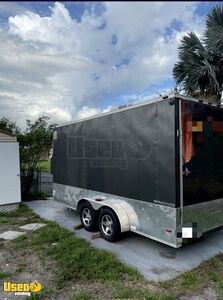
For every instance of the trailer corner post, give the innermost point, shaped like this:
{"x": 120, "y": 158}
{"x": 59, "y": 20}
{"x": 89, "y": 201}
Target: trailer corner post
{"x": 181, "y": 163}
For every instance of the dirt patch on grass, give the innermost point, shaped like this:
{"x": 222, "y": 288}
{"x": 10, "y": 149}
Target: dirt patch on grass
{"x": 23, "y": 266}
{"x": 206, "y": 294}
{"x": 94, "y": 290}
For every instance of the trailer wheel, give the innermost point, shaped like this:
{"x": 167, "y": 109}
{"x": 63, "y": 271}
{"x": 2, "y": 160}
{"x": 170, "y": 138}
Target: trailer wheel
{"x": 88, "y": 216}
{"x": 109, "y": 225}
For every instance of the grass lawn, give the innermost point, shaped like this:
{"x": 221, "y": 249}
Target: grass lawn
{"x": 69, "y": 268}
{"x": 44, "y": 165}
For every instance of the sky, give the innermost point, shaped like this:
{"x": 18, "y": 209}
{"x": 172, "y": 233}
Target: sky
{"x": 70, "y": 60}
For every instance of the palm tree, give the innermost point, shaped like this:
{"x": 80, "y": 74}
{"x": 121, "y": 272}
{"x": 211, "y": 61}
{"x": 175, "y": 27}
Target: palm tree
{"x": 200, "y": 66}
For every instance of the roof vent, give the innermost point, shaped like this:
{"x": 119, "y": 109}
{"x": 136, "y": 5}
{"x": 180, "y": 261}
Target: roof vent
{"x": 122, "y": 106}
{"x": 171, "y": 101}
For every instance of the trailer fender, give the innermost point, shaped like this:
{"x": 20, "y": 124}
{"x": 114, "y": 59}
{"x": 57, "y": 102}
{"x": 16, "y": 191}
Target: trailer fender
{"x": 126, "y": 215}
{"x": 121, "y": 215}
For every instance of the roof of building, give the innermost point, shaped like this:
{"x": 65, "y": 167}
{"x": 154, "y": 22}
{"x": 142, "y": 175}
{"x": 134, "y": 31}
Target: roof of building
{"x": 7, "y": 133}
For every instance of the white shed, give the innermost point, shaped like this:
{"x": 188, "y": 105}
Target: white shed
{"x": 10, "y": 188}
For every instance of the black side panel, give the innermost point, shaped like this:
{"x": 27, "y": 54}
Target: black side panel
{"x": 203, "y": 152}
{"x": 130, "y": 153}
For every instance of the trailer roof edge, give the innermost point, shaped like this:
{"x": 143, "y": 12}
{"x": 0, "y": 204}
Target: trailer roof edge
{"x": 179, "y": 96}
{"x": 119, "y": 110}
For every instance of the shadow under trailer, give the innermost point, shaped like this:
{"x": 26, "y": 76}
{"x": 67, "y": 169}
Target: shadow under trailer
{"x": 154, "y": 168}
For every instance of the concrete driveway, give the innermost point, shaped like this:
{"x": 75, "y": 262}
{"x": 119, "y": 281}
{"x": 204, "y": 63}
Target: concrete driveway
{"x": 155, "y": 261}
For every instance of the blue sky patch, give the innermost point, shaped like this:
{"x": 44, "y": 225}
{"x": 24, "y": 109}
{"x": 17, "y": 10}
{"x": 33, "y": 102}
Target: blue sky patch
{"x": 89, "y": 54}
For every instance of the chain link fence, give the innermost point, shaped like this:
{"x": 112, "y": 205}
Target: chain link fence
{"x": 35, "y": 182}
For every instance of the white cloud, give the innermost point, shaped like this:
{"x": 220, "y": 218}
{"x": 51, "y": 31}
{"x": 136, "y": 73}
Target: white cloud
{"x": 69, "y": 69}
{"x": 86, "y": 112}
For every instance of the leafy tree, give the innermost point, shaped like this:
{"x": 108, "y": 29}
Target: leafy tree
{"x": 200, "y": 66}
{"x": 214, "y": 31}
{"x": 34, "y": 142}
{"x": 7, "y": 125}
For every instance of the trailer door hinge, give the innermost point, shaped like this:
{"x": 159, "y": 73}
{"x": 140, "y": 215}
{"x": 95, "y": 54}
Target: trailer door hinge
{"x": 179, "y": 132}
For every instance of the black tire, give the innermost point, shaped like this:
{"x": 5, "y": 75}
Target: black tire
{"x": 112, "y": 231}
{"x": 88, "y": 216}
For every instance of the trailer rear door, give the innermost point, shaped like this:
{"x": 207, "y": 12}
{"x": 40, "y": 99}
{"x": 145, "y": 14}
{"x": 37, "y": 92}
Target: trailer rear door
{"x": 202, "y": 144}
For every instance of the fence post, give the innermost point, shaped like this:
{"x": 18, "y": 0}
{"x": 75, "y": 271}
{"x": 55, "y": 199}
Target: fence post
{"x": 40, "y": 180}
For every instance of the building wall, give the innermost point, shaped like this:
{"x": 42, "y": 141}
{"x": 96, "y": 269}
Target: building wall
{"x": 9, "y": 173}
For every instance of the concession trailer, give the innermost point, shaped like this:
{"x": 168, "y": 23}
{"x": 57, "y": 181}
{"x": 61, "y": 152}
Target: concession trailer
{"x": 154, "y": 168}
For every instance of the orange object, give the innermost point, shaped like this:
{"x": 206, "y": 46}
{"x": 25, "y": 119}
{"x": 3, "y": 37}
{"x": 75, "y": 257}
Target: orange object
{"x": 187, "y": 126}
